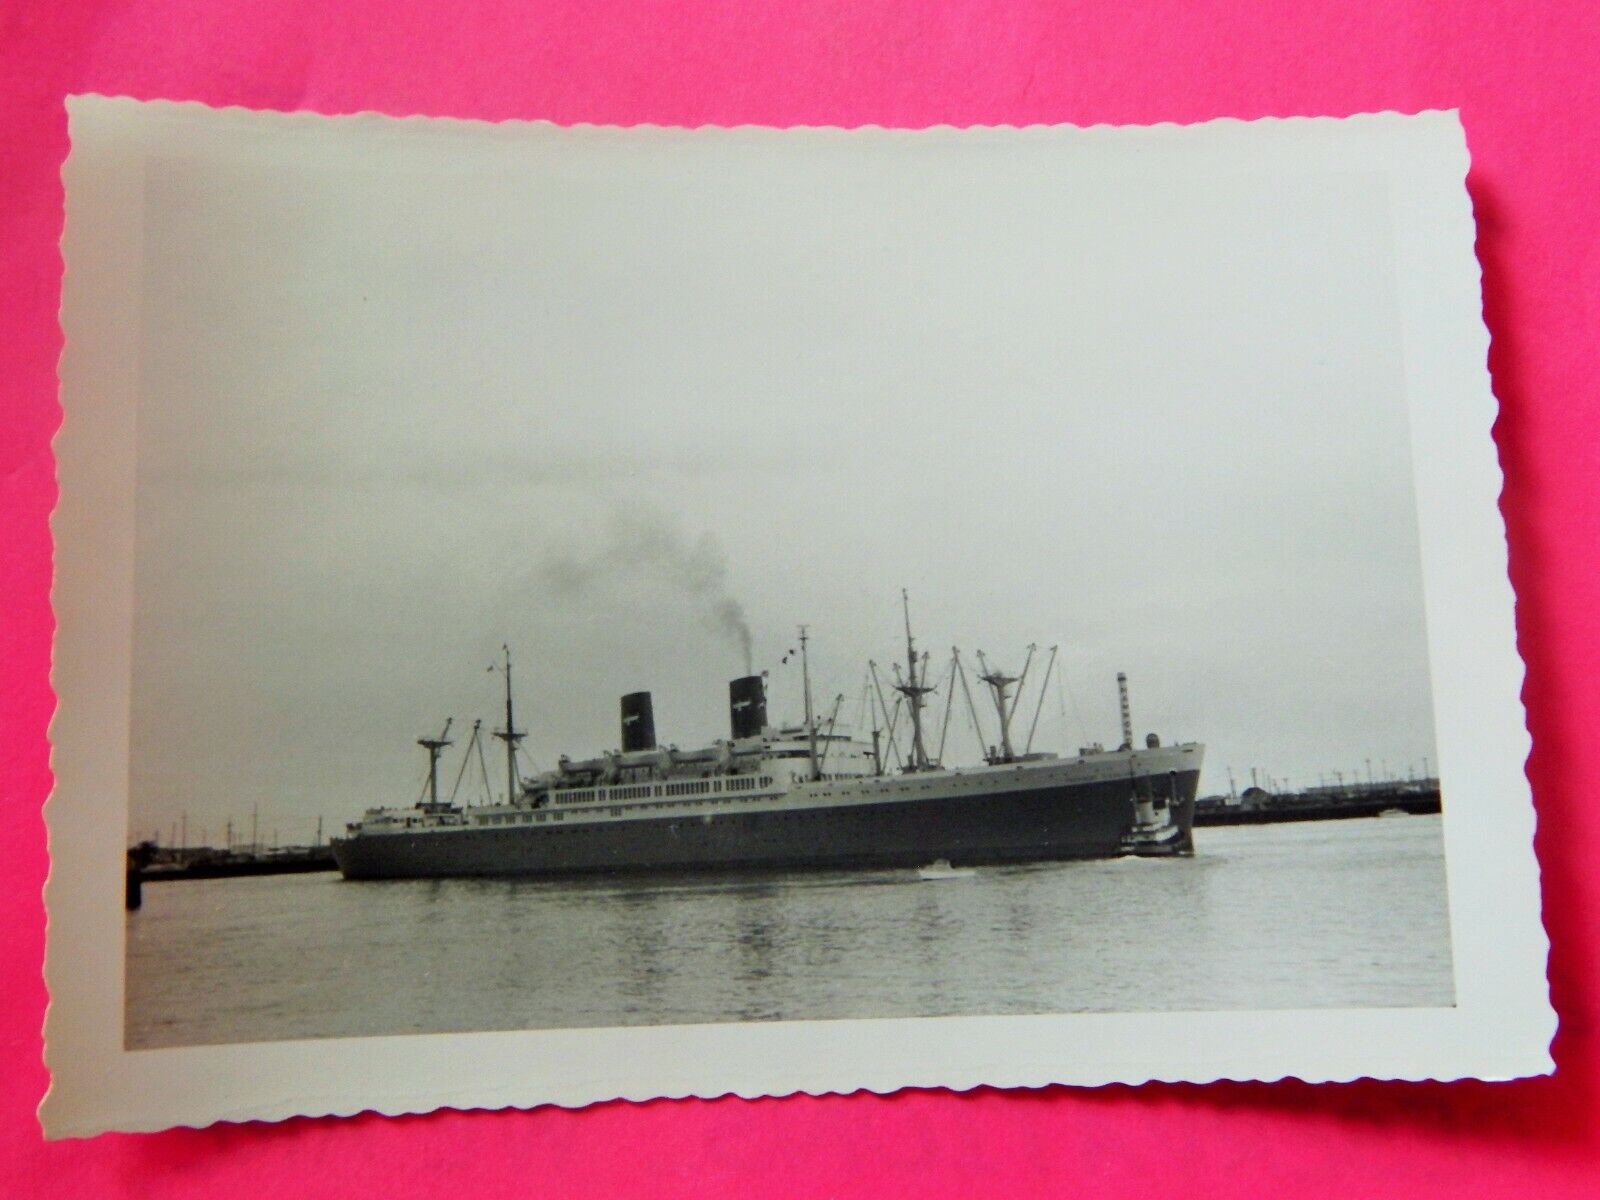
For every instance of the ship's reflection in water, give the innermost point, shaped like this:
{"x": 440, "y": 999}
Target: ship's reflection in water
{"x": 1329, "y": 914}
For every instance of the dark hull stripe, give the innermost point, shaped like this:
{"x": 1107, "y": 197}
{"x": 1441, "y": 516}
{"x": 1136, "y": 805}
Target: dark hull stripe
{"x": 1039, "y": 824}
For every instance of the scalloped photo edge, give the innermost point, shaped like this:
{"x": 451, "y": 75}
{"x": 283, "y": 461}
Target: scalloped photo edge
{"x": 1501, "y": 1022}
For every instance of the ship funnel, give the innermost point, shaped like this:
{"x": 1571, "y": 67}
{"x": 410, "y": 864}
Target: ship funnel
{"x": 747, "y": 706}
{"x": 638, "y": 722}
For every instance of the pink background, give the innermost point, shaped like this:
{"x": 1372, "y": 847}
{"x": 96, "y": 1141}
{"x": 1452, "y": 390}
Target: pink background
{"x": 1523, "y": 74}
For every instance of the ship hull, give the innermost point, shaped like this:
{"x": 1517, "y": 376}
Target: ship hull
{"x": 1078, "y": 821}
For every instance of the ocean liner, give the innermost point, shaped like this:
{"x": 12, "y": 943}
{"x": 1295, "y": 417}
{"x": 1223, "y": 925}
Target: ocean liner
{"x": 802, "y": 796}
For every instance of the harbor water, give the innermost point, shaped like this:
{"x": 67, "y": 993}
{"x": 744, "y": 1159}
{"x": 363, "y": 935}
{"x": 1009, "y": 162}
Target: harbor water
{"x": 1320, "y": 914}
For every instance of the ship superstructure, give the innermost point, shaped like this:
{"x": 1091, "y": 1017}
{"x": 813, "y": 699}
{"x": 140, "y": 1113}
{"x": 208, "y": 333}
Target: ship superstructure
{"x": 812, "y": 795}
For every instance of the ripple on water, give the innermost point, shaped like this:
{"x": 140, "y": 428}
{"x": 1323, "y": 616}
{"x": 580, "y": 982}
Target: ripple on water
{"x": 1320, "y": 914}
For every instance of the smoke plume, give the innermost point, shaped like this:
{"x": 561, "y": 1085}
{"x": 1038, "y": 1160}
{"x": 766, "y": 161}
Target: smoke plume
{"x": 641, "y": 551}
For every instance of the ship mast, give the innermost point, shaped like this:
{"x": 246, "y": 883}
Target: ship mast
{"x": 434, "y": 747}
{"x": 510, "y": 735}
{"x": 877, "y": 750}
{"x": 1000, "y": 684}
{"x": 913, "y": 691}
{"x": 811, "y": 724}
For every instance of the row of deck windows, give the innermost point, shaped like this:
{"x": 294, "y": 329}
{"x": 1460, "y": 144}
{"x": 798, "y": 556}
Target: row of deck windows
{"x": 692, "y": 787}
{"x": 531, "y": 817}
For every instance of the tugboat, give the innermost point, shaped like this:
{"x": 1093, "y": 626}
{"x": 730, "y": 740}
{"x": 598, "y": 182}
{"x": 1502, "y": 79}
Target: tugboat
{"x": 797, "y": 797}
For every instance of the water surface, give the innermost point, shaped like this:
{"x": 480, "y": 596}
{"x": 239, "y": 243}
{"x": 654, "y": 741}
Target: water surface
{"x": 1319, "y": 914}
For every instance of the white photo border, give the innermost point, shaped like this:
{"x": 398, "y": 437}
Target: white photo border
{"x": 1499, "y": 1028}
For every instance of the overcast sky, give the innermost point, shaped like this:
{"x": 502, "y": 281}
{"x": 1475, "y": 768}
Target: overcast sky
{"x": 604, "y": 400}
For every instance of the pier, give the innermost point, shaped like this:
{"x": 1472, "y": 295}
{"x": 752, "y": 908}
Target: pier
{"x": 1258, "y": 806}
{"x": 148, "y": 863}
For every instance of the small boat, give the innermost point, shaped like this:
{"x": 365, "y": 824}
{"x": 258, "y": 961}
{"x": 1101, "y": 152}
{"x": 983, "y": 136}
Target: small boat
{"x": 941, "y": 869}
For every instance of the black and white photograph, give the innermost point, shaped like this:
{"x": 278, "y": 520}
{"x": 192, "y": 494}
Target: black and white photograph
{"x": 773, "y": 593}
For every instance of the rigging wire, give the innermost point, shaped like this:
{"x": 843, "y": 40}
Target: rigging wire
{"x": 888, "y": 724}
{"x": 1044, "y": 690}
{"x": 1022, "y": 684}
{"x": 972, "y": 710}
{"x": 483, "y": 765}
{"x": 949, "y": 684}
{"x": 1065, "y": 684}
{"x": 894, "y": 718}
{"x": 828, "y": 737}
{"x": 466, "y": 759}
